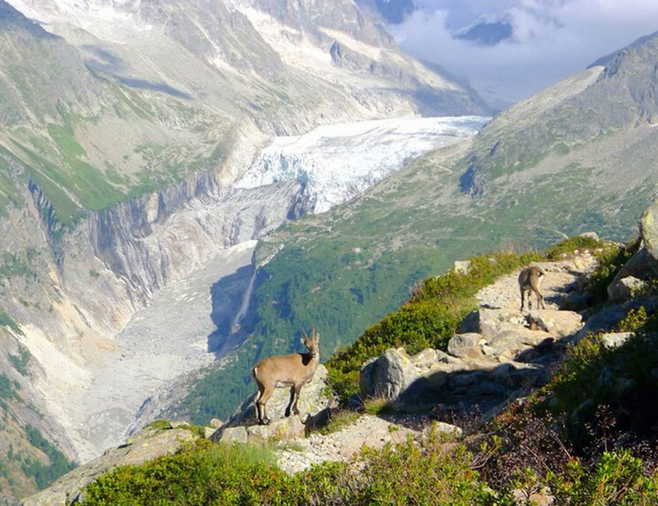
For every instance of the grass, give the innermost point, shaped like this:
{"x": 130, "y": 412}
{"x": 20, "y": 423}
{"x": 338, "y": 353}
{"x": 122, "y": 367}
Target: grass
{"x": 7, "y": 321}
{"x": 379, "y": 407}
{"x": 245, "y": 475}
{"x": 339, "y": 421}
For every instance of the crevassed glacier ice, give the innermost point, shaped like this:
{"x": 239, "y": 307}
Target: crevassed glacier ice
{"x": 338, "y": 162}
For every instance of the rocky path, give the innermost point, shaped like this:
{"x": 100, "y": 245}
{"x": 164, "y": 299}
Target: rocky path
{"x": 499, "y": 355}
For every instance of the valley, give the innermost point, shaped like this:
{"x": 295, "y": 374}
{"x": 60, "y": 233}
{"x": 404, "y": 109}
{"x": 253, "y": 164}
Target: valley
{"x": 186, "y": 187}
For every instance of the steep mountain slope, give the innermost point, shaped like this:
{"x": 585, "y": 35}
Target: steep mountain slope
{"x": 579, "y": 156}
{"x": 612, "y": 107}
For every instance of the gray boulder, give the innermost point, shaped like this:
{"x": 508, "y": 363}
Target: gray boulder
{"x": 625, "y": 288}
{"x": 284, "y": 429}
{"x": 465, "y": 345}
{"x": 387, "y": 376}
{"x": 558, "y": 323}
{"x": 490, "y": 323}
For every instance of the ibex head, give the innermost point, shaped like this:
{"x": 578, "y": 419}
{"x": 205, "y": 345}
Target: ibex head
{"x": 311, "y": 342}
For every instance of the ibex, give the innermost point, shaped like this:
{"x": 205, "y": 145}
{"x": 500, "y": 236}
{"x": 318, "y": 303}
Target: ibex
{"x": 285, "y": 370}
{"x": 531, "y": 279}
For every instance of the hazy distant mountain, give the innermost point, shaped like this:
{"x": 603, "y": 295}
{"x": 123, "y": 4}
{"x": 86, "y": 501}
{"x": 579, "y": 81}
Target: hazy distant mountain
{"x": 486, "y": 33}
{"x": 391, "y": 11}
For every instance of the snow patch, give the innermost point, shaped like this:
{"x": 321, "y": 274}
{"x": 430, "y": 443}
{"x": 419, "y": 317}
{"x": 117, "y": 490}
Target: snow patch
{"x": 339, "y": 162}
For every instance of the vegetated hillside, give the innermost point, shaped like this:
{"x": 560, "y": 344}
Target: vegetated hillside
{"x": 556, "y": 164}
{"x": 28, "y": 461}
{"x": 587, "y": 437}
{"x": 116, "y": 118}
{"x": 601, "y": 119}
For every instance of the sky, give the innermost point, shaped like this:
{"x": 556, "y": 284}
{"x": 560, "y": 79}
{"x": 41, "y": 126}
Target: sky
{"x": 551, "y": 39}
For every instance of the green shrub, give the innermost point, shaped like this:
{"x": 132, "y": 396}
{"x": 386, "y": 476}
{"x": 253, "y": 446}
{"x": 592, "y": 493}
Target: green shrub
{"x": 21, "y": 360}
{"x": 207, "y": 473}
{"x": 8, "y": 388}
{"x": 617, "y": 478}
{"x": 7, "y": 321}
{"x": 620, "y": 381}
{"x": 572, "y": 244}
{"x": 429, "y": 319}
{"x": 611, "y": 260}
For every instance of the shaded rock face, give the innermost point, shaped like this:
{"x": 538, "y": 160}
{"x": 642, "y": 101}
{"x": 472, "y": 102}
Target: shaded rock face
{"x": 643, "y": 265}
{"x": 146, "y": 445}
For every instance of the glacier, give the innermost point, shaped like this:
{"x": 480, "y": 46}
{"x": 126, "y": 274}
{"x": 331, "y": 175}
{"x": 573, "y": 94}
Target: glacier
{"x": 338, "y": 162}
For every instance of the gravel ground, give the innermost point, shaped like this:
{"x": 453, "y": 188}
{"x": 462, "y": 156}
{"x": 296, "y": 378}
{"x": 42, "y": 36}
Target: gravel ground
{"x": 149, "y": 357}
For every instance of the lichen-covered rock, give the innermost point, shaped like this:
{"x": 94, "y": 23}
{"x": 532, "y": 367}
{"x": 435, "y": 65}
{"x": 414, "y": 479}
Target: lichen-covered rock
{"x": 462, "y": 267}
{"x": 230, "y": 435}
{"x": 615, "y": 339}
{"x": 387, "y": 376}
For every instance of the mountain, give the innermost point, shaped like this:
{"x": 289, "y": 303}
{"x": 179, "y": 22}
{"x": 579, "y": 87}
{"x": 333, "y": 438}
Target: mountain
{"x": 486, "y": 32}
{"x": 123, "y": 127}
{"x": 579, "y": 156}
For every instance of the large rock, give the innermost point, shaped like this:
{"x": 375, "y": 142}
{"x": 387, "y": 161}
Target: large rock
{"x": 284, "y": 429}
{"x": 387, "y": 376}
{"x": 558, "y": 323}
{"x": 649, "y": 231}
{"x": 490, "y": 323}
{"x": 465, "y": 345}
{"x": 624, "y": 288}
{"x": 147, "y": 444}
{"x": 514, "y": 341}
{"x": 312, "y": 399}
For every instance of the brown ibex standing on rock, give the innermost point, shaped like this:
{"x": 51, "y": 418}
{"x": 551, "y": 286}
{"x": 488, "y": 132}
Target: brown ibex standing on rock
{"x": 285, "y": 370}
{"x": 530, "y": 280}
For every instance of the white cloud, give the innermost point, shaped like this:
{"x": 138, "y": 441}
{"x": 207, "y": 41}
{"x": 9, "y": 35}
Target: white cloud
{"x": 551, "y": 39}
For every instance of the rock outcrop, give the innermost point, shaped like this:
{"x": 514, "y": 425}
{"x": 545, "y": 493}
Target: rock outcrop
{"x": 499, "y": 353}
{"x": 148, "y": 444}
